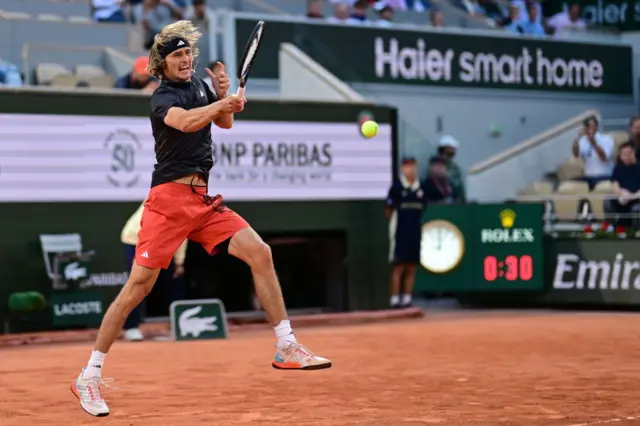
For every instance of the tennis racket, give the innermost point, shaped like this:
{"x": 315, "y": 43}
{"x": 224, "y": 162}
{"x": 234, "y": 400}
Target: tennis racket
{"x": 248, "y": 56}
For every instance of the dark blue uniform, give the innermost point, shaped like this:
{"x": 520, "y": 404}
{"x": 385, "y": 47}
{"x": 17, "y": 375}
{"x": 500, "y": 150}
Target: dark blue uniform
{"x": 407, "y": 201}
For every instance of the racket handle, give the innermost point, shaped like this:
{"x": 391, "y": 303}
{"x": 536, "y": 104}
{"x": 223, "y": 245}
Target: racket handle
{"x": 240, "y": 92}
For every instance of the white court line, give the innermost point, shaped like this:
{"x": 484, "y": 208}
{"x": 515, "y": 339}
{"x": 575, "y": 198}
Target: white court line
{"x": 603, "y": 422}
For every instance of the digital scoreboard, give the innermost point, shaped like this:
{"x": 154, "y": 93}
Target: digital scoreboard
{"x": 481, "y": 247}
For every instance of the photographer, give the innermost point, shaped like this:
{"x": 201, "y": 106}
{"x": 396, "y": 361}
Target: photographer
{"x": 596, "y": 150}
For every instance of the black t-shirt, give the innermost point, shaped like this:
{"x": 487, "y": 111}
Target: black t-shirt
{"x": 180, "y": 154}
{"x": 628, "y": 177}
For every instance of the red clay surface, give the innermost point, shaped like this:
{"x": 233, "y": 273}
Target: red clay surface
{"x": 550, "y": 369}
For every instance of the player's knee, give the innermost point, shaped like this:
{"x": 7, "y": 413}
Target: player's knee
{"x": 138, "y": 288}
{"x": 261, "y": 255}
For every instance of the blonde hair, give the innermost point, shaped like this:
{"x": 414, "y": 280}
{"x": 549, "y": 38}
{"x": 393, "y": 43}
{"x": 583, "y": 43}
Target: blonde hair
{"x": 183, "y": 29}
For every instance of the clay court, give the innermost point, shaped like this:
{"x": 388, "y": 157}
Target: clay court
{"x": 493, "y": 369}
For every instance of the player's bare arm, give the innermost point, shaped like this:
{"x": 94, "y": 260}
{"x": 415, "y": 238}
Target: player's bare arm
{"x": 197, "y": 118}
{"x": 220, "y": 83}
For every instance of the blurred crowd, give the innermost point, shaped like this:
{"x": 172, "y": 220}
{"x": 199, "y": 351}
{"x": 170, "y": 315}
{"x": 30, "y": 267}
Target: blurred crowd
{"x": 531, "y": 17}
{"x": 153, "y": 15}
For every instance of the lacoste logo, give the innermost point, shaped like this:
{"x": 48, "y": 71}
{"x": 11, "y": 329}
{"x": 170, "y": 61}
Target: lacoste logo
{"x": 74, "y": 271}
{"x": 181, "y": 43}
{"x": 189, "y": 323}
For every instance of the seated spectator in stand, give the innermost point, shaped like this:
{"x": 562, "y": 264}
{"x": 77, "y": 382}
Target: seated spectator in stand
{"x": 447, "y": 149}
{"x": 436, "y": 18}
{"x": 156, "y": 15}
{"x": 359, "y": 13}
{"x": 532, "y": 25}
{"x": 108, "y": 11}
{"x": 437, "y": 187}
{"x": 524, "y": 5}
{"x": 385, "y": 13}
{"x": 138, "y": 78}
{"x": 513, "y": 24}
{"x": 416, "y": 5}
{"x": 634, "y": 133}
{"x": 340, "y": 13}
{"x": 314, "y": 9}
{"x": 199, "y": 14}
{"x": 9, "y": 75}
{"x": 135, "y": 10}
{"x": 567, "y": 20}
{"x": 596, "y": 151}
{"x": 626, "y": 184}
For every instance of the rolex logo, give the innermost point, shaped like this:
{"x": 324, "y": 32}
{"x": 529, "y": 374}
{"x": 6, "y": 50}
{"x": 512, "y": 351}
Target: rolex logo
{"x": 507, "y": 218}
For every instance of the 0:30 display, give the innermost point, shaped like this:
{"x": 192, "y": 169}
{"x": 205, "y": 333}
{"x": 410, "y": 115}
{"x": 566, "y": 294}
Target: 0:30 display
{"x": 513, "y": 268}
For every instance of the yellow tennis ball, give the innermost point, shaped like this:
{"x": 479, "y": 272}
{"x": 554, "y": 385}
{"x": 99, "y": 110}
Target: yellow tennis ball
{"x": 369, "y": 128}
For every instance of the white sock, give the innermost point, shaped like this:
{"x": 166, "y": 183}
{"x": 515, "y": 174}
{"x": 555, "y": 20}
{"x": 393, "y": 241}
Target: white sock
{"x": 406, "y": 299}
{"x": 284, "y": 334}
{"x": 395, "y": 299}
{"x": 94, "y": 366}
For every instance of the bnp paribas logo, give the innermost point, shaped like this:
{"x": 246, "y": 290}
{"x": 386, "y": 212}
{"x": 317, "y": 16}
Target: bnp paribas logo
{"x": 508, "y": 232}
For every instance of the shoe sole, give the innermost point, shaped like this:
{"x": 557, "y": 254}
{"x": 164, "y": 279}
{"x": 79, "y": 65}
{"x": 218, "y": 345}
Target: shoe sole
{"x": 308, "y": 367}
{"x": 91, "y": 414}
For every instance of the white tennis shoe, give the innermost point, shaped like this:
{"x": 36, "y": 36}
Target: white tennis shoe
{"x": 88, "y": 392}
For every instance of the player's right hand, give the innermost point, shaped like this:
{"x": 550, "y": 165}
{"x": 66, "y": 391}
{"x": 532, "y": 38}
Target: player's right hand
{"x": 233, "y": 103}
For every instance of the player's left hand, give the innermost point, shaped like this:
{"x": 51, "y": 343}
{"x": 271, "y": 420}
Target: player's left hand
{"x": 219, "y": 80}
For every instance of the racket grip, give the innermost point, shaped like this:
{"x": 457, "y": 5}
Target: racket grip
{"x": 240, "y": 92}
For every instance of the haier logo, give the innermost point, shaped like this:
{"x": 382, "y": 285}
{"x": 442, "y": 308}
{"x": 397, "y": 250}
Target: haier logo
{"x": 507, "y": 234}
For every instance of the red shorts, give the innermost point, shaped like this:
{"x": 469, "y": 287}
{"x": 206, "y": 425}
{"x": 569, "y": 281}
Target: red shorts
{"x": 172, "y": 213}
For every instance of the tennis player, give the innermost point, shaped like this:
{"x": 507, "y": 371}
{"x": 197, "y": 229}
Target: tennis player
{"x": 178, "y": 207}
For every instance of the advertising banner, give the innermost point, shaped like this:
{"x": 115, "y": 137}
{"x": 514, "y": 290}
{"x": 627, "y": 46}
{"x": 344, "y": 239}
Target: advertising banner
{"x": 481, "y": 248}
{"x": 67, "y": 158}
{"x": 72, "y": 308}
{"x": 596, "y": 272}
{"x": 383, "y": 55}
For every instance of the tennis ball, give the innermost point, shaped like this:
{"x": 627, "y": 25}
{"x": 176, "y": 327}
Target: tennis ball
{"x": 369, "y": 128}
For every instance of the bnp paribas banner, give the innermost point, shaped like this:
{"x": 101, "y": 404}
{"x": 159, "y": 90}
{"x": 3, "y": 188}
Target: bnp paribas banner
{"x": 382, "y": 55}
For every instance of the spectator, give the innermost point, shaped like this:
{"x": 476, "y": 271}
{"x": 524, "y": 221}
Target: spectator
{"x": 156, "y": 15}
{"x": 596, "y": 150}
{"x": 138, "y": 78}
{"x": 436, "y": 17}
{"x": 135, "y": 7}
{"x": 314, "y": 9}
{"x": 524, "y": 5}
{"x": 9, "y": 75}
{"x": 447, "y": 148}
{"x": 385, "y": 13}
{"x": 416, "y": 5}
{"x": 513, "y": 24}
{"x": 626, "y": 184}
{"x": 532, "y": 25}
{"x": 340, "y": 13}
{"x": 359, "y": 13}
{"x": 438, "y": 187}
{"x": 199, "y": 14}
{"x": 567, "y": 20}
{"x": 107, "y": 11}
{"x": 405, "y": 204}
{"x": 634, "y": 133}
